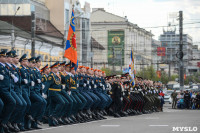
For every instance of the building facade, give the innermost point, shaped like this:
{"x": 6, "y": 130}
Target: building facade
{"x": 170, "y": 40}
{"x": 118, "y": 36}
{"x": 15, "y": 23}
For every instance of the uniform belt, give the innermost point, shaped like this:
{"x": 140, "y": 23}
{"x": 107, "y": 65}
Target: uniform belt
{"x": 73, "y": 87}
{"x": 52, "y": 89}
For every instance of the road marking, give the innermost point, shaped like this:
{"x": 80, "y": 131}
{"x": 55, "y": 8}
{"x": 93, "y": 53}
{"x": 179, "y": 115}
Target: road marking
{"x": 110, "y": 125}
{"x": 152, "y": 118}
{"x": 158, "y": 125}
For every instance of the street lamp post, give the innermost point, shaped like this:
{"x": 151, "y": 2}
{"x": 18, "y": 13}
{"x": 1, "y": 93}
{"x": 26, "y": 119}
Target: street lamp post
{"x": 13, "y": 31}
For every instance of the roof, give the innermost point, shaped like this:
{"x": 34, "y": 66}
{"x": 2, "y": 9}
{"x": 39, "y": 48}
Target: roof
{"x": 6, "y": 29}
{"x": 43, "y": 27}
{"x": 96, "y": 44}
{"x": 96, "y": 16}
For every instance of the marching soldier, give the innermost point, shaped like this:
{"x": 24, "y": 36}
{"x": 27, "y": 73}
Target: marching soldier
{"x": 5, "y": 93}
{"x": 38, "y": 92}
{"x": 19, "y": 105}
{"x": 25, "y": 85}
{"x": 45, "y": 73}
{"x": 53, "y": 86}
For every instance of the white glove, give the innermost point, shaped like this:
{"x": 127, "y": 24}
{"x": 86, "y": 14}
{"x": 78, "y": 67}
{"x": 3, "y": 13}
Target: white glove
{"x": 43, "y": 86}
{"x": 14, "y": 77}
{"x": 92, "y": 82}
{"x": 1, "y": 77}
{"x": 44, "y": 95}
{"x": 103, "y": 87}
{"x": 90, "y": 87}
{"x": 63, "y": 87}
{"x": 32, "y": 83}
{"x": 121, "y": 98}
{"x": 84, "y": 85}
{"x": 95, "y": 86}
{"x": 77, "y": 85}
{"x": 145, "y": 92}
{"x": 88, "y": 82}
{"x": 39, "y": 81}
{"x": 69, "y": 92}
{"x": 25, "y": 81}
{"x": 131, "y": 88}
{"x": 100, "y": 84}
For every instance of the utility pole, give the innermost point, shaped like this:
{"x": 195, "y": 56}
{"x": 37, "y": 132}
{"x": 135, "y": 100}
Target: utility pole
{"x": 113, "y": 59}
{"x": 13, "y": 31}
{"x": 181, "y": 71}
{"x": 33, "y": 33}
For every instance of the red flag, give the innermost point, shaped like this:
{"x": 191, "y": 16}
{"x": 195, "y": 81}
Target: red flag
{"x": 71, "y": 49}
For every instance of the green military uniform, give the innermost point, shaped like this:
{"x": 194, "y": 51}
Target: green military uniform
{"x": 53, "y": 86}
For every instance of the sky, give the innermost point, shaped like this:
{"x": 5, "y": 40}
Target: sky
{"x": 154, "y": 13}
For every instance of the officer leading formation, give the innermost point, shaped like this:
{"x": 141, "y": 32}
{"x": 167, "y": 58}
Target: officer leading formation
{"x": 60, "y": 95}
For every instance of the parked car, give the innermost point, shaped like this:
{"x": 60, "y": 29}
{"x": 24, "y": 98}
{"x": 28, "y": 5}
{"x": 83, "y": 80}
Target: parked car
{"x": 167, "y": 97}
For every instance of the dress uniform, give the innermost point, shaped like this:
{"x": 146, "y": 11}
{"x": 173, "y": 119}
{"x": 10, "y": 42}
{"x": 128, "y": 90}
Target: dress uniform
{"x": 53, "y": 86}
{"x": 68, "y": 101}
{"x": 18, "y": 90}
{"x": 16, "y": 115}
{"x": 81, "y": 101}
{"x": 25, "y": 85}
{"x": 38, "y": 102}
{"x": 5, "y": 93}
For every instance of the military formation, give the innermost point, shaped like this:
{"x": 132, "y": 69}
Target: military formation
{"x": 61, "y": 94}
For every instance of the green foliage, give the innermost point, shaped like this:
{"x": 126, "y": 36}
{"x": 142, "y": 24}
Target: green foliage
{"x": 150, "y": 73}
{"x": 195, "y": 78}
{"x": 111, "y": 72}
{"x": 107, "y": 71}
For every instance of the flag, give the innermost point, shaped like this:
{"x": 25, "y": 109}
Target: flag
{"x": 71, "y": 49}
{"x": 131, "y": 70}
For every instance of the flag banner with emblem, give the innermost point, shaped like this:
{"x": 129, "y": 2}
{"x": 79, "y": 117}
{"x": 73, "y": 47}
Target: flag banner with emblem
{"x": 131, "y": 70}
{"x": 71, "y": 49}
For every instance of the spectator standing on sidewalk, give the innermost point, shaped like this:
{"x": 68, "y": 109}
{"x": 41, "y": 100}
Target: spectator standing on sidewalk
{"x": 174, "y": 99}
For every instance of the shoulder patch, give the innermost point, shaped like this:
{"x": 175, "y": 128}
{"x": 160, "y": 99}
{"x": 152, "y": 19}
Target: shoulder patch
{"x": 49, "y": 78}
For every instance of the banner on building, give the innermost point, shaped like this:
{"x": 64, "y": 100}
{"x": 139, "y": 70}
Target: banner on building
{"x": 116, "y": 48}
{"x": 161, "y": 51}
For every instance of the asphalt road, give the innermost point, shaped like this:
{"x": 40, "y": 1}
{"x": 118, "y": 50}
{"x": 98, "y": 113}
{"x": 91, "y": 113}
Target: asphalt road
{"x": 162, "y": 122}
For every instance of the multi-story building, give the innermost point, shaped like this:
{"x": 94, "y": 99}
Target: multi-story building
{"x": 195, "y": 67}
{"x": 52, "y": 22}
{"x": 118, "y": 36}
{"x": 170, "y": 40}
{"x": 60, "y": 15}
{"x": 15, "y": 31}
